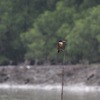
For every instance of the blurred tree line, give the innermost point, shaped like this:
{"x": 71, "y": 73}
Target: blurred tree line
{"x": 30, "y": 29}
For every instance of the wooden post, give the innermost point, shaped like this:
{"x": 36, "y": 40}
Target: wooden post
{"x": 62, "y": 83}
{"x": 62, "y": 89}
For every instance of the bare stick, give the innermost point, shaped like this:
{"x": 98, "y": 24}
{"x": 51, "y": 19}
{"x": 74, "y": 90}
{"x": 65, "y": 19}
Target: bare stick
{"x": 62, "y": 83}
{"x": 62, "y": 77}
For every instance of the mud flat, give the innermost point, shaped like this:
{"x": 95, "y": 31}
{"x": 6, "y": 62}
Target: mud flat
{"x": 73, "y": 74}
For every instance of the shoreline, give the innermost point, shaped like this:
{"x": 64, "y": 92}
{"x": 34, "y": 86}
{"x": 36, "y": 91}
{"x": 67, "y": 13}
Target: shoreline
{"x": 47, "y": 87}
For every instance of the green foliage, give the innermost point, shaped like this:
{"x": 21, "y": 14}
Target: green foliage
{"x": 30, "y": 29}
{"x": 50, "y": 26}
{"x": 34, "y": 43}
{"x": 83, "y": 41}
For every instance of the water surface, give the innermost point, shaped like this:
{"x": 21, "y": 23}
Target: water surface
{"x": 49, "y": 93}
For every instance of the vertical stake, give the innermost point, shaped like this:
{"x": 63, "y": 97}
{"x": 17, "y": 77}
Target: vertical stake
{"x": 62, "y": 89}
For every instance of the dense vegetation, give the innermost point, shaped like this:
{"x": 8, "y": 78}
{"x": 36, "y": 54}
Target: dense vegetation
{"x": 30, "y": 29}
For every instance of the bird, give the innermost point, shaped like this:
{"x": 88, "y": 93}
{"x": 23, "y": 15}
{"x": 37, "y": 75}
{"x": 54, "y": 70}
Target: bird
{"x": 61, "y": 45}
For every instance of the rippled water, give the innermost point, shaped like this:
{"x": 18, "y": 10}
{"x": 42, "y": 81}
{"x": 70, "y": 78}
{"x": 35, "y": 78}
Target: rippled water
{"x": 49, "y": 93}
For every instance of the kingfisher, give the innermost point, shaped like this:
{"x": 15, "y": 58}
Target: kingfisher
{"x": 61, "y": 45}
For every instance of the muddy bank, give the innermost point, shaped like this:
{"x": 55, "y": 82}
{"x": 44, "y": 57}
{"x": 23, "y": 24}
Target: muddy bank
{"x": 73, "y": 74}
